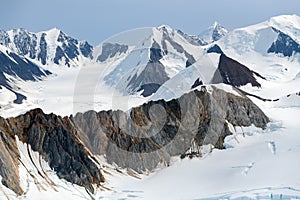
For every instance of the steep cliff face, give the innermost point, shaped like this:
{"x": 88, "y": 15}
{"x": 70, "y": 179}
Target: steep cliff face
{"x": 152, "y": 133}
{"x": 55, "y": 139}
{"x": 141, "y": 139}
{"x": 9, "y": 159}
{"x": 234, "y": 73}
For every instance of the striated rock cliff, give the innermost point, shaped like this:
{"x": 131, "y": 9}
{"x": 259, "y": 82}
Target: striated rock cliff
{"x": 152, "y": 133}
{"x": 55, "y": 139}
{"x": 141, "y": 139}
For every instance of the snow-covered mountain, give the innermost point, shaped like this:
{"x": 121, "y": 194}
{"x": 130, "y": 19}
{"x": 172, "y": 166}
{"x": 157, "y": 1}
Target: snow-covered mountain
{"x": 141, "y": 61}
{"x": 183, "y": 96}
{"x": 47, "y": 47}
{"x": 28, "y": 56}
{"x": 147, "y": 63}
{"x": 13, "y": 68}
{"x": 213, "y": 33}
{"x": 278, "y": 35}
{"x": 161, "y": 54}
{"x": 137, "y": 62}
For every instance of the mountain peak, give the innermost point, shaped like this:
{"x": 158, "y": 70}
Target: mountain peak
{"x": 165, "y": 28}
{"x": 290, "y": 18}
{"x": 216, "y": 25}
{"x": 213, "y": 33}
{"x": 53, "y": 31}
{"x": 283, "y": 21}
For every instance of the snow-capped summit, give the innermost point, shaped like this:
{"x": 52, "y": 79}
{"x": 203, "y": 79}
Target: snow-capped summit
{"x": 213, "y": 33}
{"x": 47, "y": 47}
{"x": 278, "y": 35}
{"x": 158, "y": 54}
{"x": 23, "y": 54}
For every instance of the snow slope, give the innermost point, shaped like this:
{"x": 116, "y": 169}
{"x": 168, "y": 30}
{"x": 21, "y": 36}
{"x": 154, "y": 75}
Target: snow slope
{"x": 40, "y": 181}
{"x": 255, "y": 165}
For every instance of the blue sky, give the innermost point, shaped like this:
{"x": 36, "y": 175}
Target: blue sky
{"x": 96, "y": 20}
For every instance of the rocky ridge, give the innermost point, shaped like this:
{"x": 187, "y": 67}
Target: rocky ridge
{"x": 140, "y": 140}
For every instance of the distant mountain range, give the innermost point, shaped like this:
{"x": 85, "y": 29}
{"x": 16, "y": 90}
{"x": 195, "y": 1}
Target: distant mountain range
{"x": 181, "y": 93}
{"x": 147, "y": 63}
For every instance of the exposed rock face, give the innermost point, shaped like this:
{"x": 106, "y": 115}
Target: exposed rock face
{"x": 55, "y": 139}
{"x": 110, "y": 50}
{"x": 86, "y": 49}
{"x": 284, "y": 45}
{"x": 215, "y": 49}
{"x": 152, "y": 77}
{"x": 152, "y": 133}
{"x": 193, "y": 39}
{"x": 14, "y": 65}
{"x": 66, "y": 50}
{"x": 166, "y": 37}
{"x": 234, "y": 73}
{"x": 143, "y": 138}
{"x": 197, "y": 83}
{"x": 25, "y": 42}
{"x": 218, "y": 32}
{"x": 4, "y": 38}
{"x": 9, "y": 159}
{"x": 42, "y": 55}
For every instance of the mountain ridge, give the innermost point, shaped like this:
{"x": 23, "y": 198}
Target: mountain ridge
{"x": 184, "y": 98}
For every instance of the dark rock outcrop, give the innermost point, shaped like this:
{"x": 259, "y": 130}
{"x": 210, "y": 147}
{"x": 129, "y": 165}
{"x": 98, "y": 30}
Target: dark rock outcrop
{"x": 20, "y": 67}
{"x": 166, "y": 38}
{"x": 25, "y": 42}
{"x": 56, "y": 140}
{"x": 154, "y": 72}
{"x": 197, "y": 83}
{"x": 234, "y": 73}
{"x": 86, "y": 49}
{"x": 152, "y": 133}
{"x": 284, "y": 45}
{"x": 68, "y": 50}
{"x": 156, "y": 53}
{"x": 109, "y": 50}
{"x": 42, "y": 55}
{"x": 36, "y": 46}
{"x": 141, "y": 139}
{"x": 148, "y": 89}
{"x": 218, "y": 32}
{"x": 215, "y": 49}
{"x": 4, "y": 38}
{"x": 69, "y": 45}
{"x": 153, "y": 75}
{"x": 59, "y": 54}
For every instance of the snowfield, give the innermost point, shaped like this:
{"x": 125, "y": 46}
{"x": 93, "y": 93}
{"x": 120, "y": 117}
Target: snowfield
{"x": 256, "y": 164}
